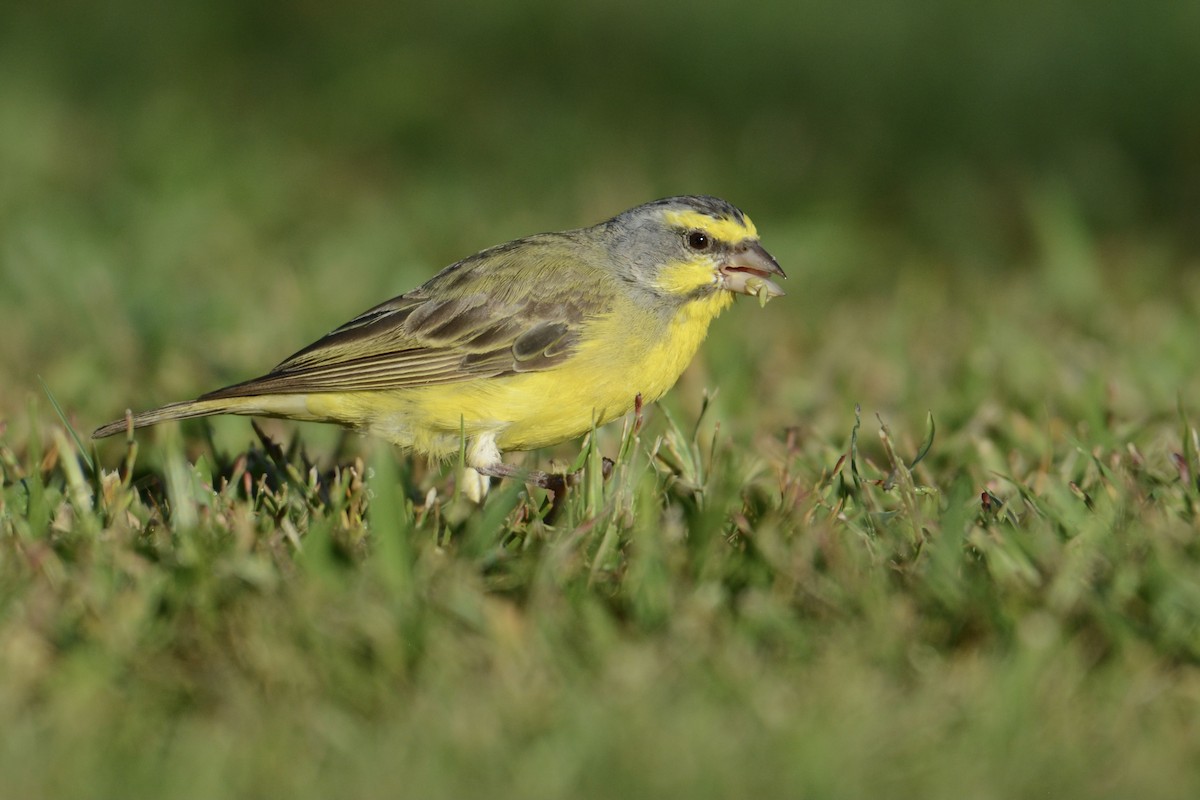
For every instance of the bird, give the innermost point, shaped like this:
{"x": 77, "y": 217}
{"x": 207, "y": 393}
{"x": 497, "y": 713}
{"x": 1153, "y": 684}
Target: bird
{"x": 521, "y": 346}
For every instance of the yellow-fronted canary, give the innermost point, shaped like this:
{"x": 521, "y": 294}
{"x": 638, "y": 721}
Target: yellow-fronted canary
{"x": 522, "y": 345}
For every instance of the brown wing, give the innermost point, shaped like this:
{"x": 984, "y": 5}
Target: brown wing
{"x": 488, "y": 316}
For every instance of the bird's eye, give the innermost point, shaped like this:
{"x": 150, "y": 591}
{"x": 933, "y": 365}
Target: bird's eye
{"x": 698, "y": 240}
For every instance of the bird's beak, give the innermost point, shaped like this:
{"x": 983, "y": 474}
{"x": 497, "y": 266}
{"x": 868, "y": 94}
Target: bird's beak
{"x": 746, "y": 270}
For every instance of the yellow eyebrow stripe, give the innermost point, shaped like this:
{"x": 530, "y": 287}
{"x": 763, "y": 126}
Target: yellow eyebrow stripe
{"x": 725, "y": 230}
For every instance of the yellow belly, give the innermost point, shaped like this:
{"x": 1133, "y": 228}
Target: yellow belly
{"x": 621, "y": 356}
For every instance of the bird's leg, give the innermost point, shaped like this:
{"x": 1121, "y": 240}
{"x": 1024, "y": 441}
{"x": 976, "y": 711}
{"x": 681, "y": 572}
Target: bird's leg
{"x": 555, "y": 482}
{"x": 551, "y": 481}
{"x": 483, "y": 459}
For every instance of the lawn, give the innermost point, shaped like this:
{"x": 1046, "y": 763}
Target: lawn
{"x": 927, "y": 526}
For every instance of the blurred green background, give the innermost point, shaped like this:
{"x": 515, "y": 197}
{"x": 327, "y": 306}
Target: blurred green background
{"x": 173, "y": 176}
{"x": 987, "y": 211}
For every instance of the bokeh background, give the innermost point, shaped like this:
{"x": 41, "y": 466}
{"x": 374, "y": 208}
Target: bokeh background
{"x": 988, "y": 212}
{"x": 191, "y": 191}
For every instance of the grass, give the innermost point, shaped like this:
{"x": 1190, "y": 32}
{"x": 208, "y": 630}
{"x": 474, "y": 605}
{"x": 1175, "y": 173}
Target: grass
{"x": 802, "y": 618}
{"x": 927, "y": 526}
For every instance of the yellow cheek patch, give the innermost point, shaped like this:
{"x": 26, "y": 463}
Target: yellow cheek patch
{"x": 724, "y": 230}
{"x": 683, "y": 277}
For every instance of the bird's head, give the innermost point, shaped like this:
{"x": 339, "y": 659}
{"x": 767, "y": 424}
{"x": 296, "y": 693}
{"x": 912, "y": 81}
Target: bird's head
{"x": 690, "y": 248}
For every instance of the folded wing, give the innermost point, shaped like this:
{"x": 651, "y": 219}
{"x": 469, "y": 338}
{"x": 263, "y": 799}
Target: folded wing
{"x": 465, "y": 323}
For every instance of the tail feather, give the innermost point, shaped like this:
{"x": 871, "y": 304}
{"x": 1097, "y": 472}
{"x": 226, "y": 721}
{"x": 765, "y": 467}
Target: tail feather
{"x": 184, "y": 410}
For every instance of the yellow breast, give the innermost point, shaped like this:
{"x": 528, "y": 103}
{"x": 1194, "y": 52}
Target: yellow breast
{"x": 621, "y": 355}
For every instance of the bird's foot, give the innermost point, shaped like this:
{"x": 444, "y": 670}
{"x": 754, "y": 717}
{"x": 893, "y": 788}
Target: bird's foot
{"x": 554, "y": 482}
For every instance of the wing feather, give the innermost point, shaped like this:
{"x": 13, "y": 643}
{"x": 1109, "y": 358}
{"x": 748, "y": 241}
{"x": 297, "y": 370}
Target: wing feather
{"x": 499, "y": 312}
